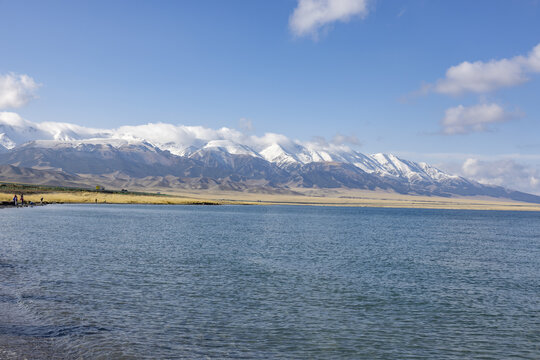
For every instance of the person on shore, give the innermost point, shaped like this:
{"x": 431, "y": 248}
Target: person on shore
{"x": 15, "y": 199}
{"x": 22, "y": 199}
{"x": 41, "y": 200}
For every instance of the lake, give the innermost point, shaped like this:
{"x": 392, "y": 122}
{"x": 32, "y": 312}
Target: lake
{"x": 254, "y": 282}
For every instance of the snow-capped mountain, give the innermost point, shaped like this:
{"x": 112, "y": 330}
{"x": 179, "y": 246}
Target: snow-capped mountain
{"x": 15, "y": 130}
{"x": 220, "y": 156}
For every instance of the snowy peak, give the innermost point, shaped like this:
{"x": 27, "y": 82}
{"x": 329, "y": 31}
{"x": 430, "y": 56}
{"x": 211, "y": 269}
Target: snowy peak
{"x": 394, "y": 166}
{"x": 230, "y": 147}
{"x": 90, "y": 143}
{"x": 210, "y": 146}
{"x": 391, "y": 165}
{"x": 6, "y": 142}
{"x": 298, "y": 154}
{"x": 386, "y": 165}
{"x": 223, "y": 153}
{"x": 276, "y": 154}
{"x": 202, "y": 156}
{"x": 16, "y": 130}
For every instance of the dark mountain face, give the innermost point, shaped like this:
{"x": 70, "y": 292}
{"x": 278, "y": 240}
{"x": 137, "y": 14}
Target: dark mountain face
{"x": 335, "y": 175}
{"x": 136, "y": 161}
{"x": 217, "y": 169}
{"x": 238, "y": 167}
{"x": 141, "y": 161}
{"x": 10, "y": 173}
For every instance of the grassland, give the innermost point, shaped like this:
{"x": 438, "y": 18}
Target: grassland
{"x": 361, "y": 198}
{"x": 55, "y": 194}
{"x": 313, "y": 197}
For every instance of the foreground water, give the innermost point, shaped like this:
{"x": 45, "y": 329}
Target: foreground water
{"x": 101, "y": 282}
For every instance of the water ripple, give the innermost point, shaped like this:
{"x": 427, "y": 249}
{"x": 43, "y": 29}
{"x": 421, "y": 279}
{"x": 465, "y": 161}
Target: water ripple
{"x": 151, "y": 282}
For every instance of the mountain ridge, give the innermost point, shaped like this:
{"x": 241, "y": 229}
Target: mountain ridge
{"x": 225, "y": 158}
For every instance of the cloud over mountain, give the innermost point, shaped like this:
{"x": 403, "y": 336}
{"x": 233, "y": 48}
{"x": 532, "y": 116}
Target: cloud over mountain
{"x": 178, "y": 139}
{"x": 196, "y": 157}
{"x": 16, "y": 90}
{"x": 503, "y": 172}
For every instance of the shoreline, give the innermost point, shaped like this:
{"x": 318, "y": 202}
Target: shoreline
{"x": 373, "y": 201}
{"x": 343, "y": 197}
{"x": 6, "y": 204}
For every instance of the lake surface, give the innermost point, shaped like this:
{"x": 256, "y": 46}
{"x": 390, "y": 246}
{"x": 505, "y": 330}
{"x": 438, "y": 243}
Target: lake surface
{"x": 161, "y": 282}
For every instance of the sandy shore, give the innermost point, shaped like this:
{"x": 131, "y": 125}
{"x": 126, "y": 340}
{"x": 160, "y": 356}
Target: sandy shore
{"x": 299, "y": 197}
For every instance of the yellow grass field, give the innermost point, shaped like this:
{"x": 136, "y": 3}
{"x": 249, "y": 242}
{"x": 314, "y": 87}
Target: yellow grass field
{"x": 363, "y": 198}
{"x": 91, "y": 197}
{"x": 339, "y": 197}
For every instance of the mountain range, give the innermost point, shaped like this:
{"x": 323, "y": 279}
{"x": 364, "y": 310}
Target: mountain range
{"x": 168, "y": 156}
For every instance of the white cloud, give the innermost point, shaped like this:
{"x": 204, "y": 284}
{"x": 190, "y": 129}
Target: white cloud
{"x": 505, "y": 172}
{"x": 178, "y": 139}
{"x": 13, "y": 120}
{"x": 340, "y": 139}
{"x": 175, "y": 138}
{"x": 513, "y": 171}
{"x": 483, "y": 77}
{"x": 448, "y": 160}
{"x": 16, "y": 90}
{"x": 15, "y": 130}
{"x": 245, "y": 124}
{"x": 477, "y": 118}
{"x": 312, "y": 15}
{"x": 533, "y": 60}
{"x": 480, "y": 77}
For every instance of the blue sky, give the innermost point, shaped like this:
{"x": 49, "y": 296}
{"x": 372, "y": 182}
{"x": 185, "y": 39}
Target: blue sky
{"x": 369, "y": 69}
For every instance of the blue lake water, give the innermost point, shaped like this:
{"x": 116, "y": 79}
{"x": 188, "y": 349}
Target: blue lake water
{"x": 161, "y": 282}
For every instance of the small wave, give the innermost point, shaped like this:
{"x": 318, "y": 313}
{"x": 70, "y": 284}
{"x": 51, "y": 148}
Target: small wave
{"x": 4, "y": 298}
{"x": 50, "y": 331}
{"x": 6, "y": 265}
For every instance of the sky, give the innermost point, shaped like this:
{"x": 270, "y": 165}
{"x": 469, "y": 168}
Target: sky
{"x": 452, "y": 83}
